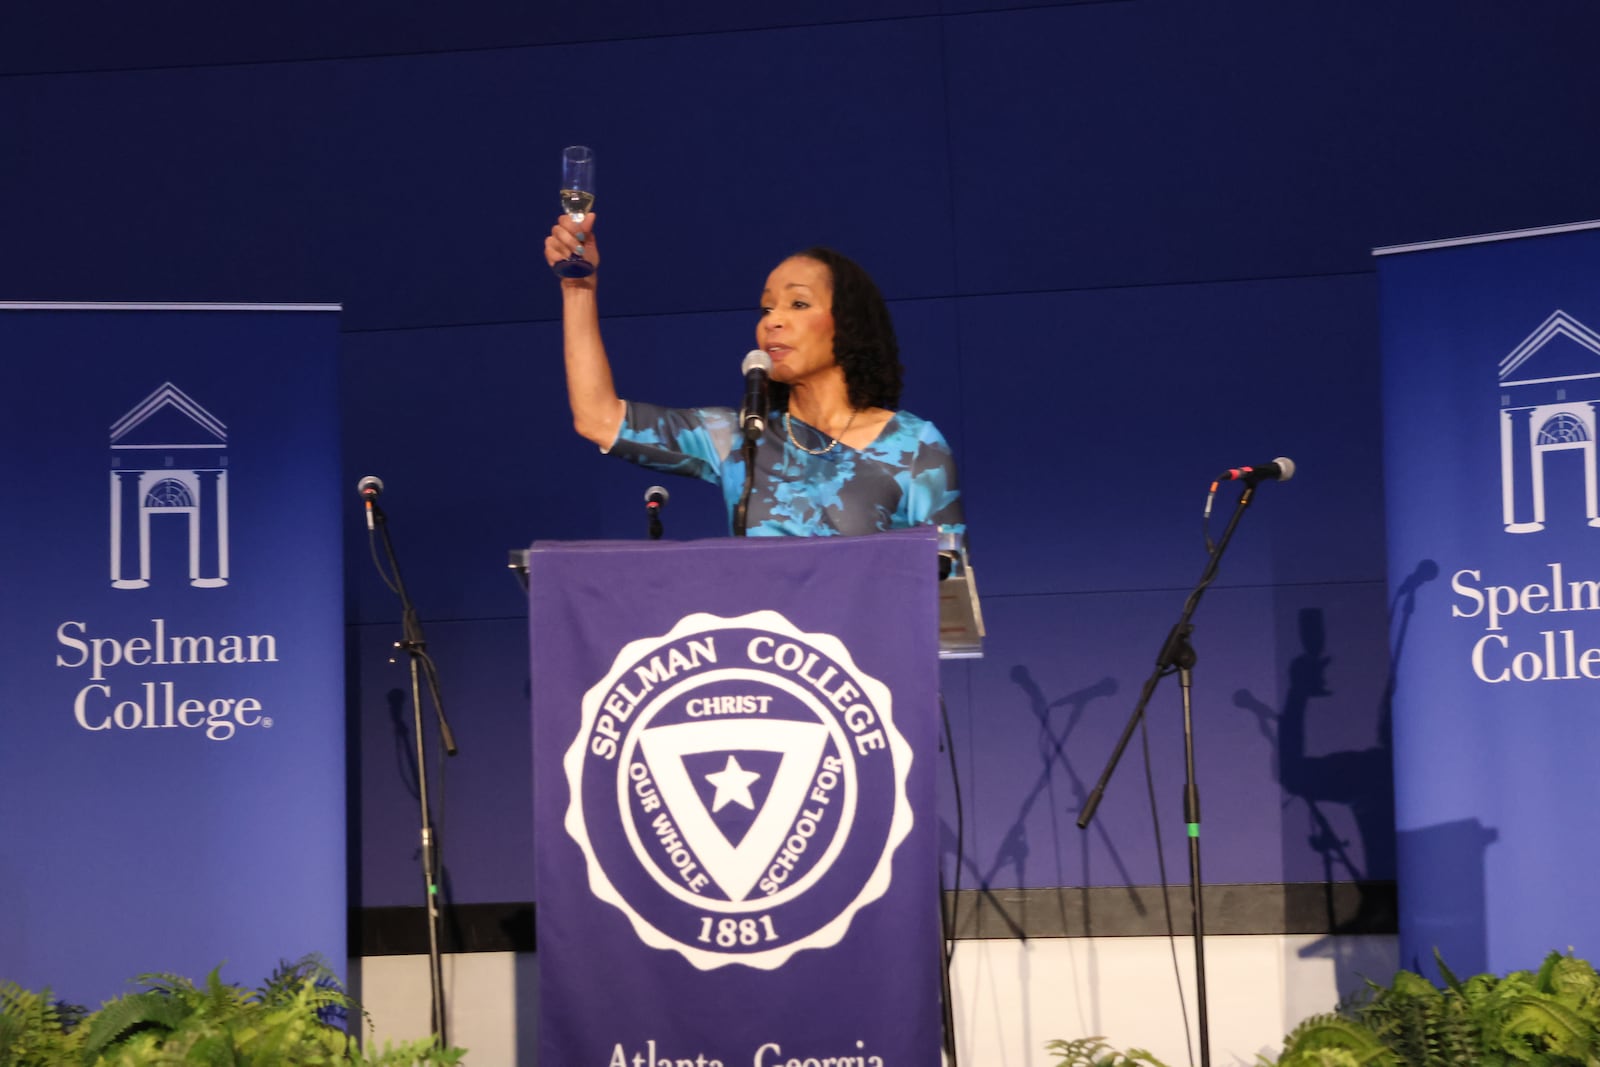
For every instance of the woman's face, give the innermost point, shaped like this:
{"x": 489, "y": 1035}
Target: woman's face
{"x": 796, "y": 325}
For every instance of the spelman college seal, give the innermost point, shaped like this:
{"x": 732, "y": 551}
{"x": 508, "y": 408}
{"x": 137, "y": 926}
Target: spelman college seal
{"x": 738, "y": 788}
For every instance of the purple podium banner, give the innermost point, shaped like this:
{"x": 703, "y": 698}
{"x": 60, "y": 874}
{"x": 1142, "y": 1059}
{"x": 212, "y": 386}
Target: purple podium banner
{"x": 735, "y": 848}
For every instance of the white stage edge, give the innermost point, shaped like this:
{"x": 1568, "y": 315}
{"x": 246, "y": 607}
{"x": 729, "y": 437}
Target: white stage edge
{"x": 1011, "y": 996}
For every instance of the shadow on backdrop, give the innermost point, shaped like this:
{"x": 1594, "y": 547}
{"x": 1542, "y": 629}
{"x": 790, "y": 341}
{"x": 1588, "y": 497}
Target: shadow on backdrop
{"x": 1362, "y": 780}
{"x": 1014, "y": 851}
{"x": 1447, "y": 858}
{"x": 1359, "y": 780}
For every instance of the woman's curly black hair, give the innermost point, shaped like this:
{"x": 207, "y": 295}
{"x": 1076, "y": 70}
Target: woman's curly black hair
{"x": 863, "y": 336}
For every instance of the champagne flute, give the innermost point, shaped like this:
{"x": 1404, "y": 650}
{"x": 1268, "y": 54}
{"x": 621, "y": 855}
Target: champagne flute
{"x": 577, "y": 197}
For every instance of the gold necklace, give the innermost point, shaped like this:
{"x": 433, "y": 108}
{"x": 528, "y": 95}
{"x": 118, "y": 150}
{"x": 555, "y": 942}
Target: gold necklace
{"x": 833, "y": 443}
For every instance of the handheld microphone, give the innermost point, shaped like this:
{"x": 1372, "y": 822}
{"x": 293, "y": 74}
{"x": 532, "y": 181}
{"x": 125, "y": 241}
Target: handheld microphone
{"x": 369, "y": 488}
{"x": 1279, "y": 470}
{"x": 757, "y": 368}
{"x": 654, "y": 498}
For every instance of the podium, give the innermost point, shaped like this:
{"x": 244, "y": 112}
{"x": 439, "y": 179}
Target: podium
{"x": 734, "y": 825}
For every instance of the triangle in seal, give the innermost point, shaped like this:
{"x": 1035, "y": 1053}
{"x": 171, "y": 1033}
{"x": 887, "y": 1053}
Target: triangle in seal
{"x": 736, "y": 868}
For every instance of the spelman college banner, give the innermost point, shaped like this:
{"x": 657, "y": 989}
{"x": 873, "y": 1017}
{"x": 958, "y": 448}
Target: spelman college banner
{"x": 171, "y": 727}
{"x": 734, "y": 786}
{"x": 1491, "y": 390}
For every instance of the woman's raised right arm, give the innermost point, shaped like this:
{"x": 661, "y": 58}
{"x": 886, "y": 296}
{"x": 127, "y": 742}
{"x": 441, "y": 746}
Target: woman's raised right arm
{"x": 596, "y": 409}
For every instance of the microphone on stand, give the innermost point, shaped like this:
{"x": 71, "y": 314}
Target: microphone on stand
{"x": 757, "y": 369}
{"x": 1279, "y": 470}
{"x": 654, "y": 499}
{"x": 415, "y": 647}
{"x": 369, "y": 489}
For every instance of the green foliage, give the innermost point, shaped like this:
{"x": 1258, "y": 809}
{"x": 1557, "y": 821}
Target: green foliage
{"x": 295, "y": 1018}
{"x": 1334, "y": 1041}
{"x": 34, "y": 1030}
{"x": 1094, "y": 1052}
{"x": 1548, "y": 1018}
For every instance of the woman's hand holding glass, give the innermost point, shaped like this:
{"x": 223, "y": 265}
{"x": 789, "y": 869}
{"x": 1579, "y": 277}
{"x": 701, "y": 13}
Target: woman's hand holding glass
{"x": 570, "y": 240}
{"x": 577, "y": 196}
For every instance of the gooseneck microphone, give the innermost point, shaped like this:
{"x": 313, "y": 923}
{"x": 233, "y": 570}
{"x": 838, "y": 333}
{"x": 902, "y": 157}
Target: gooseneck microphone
{"x": 654, "y": 498}
{"x": 1279, "y": 470}
{"x": 369, "y": 489}
{"x": 757, "y": 370}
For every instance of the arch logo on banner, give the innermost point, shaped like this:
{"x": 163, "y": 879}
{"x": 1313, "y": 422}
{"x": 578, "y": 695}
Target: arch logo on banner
{"x": 169, "y": 462}
{"x": 1549, "y": 390}
{"x": 1550, "y": 385}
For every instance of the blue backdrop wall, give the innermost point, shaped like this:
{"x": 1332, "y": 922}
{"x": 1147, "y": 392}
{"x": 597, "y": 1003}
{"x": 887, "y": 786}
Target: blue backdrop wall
{"x": 1126, "y": 245}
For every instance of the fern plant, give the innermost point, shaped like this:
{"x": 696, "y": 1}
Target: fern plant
{"x": 1334, "y": 1041}
{"x": 1544, "y": 1018}
{"x": 1548, "y": 1018}
{"x": 1094, "y": 1052}
{"x": 35, "y": 1031}
{"x": 296, "y": 1018}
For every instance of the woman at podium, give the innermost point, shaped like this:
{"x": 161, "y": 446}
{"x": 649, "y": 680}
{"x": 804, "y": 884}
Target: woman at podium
{"x": 836, "y": 455}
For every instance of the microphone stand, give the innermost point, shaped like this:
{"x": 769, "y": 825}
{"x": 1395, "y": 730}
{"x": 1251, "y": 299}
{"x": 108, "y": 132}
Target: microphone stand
{"x": 415, "y": 647}
{"x": 1178, "y": 655}
{"x": 741, "y": 510}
